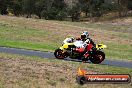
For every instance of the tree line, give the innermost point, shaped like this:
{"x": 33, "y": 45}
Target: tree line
{"x": 61, "y": 9}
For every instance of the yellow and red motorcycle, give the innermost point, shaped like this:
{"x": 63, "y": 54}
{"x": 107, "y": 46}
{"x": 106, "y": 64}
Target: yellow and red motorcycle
{"x": 96, "y": 55}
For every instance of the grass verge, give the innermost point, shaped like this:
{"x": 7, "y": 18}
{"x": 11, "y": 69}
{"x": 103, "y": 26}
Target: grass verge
{"x": 23, "y": 71}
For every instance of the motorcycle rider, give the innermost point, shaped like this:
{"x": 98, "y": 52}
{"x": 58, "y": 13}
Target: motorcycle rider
{"x": 80, "y": 41}
{"x": 85, "y": 38}
{"x": 87, "y": 43}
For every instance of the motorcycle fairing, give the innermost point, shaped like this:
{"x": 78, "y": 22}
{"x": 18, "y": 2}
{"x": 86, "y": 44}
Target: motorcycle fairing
{"x": 100, "y": 46}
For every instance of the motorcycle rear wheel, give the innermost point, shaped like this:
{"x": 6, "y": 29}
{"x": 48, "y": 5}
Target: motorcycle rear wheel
{"x": 98, "y": 57}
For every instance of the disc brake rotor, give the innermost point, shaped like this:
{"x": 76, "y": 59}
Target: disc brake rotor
{"x": 99, "y": 57}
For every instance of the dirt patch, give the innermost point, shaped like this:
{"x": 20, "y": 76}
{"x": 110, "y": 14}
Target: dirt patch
{"x": 21, "y": 73}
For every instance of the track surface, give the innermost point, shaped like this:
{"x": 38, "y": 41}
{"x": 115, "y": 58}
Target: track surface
{"x": 51, "y": 55}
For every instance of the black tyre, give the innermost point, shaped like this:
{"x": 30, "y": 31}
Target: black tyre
{"x": 59, "y": 54}
{"x": 98, "y": 57}
{"x": 84, "y": 59}
{"x": 81, "y": 80}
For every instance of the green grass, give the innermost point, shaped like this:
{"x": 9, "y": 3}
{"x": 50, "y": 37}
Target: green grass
{"x": 26, "y": 72}
{"x": 21, "y": 33}
{"x": 27, "y": 45}
{"x": 48, "y": 35}
{"x": 118, "y": 51}
{"x": 102, "y": 26}
{"x": 122, "y": 31}
{"x": 19, "y": 37}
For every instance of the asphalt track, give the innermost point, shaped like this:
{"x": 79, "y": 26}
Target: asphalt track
{"x": 50, "y": 55}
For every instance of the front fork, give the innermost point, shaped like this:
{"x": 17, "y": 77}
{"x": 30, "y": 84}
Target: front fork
{"x": 65, "y": 53}
{"x": 87, "y": 55}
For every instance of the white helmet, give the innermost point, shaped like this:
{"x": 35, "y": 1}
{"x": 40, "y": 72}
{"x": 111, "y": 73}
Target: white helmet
{"x": 84, "y": 35}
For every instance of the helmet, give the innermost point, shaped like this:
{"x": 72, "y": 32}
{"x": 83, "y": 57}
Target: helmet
{"x": 84, "y": 35}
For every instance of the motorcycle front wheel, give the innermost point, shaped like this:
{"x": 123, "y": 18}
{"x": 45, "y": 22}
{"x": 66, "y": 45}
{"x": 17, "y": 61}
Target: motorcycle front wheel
{"x": 59, "y": 54}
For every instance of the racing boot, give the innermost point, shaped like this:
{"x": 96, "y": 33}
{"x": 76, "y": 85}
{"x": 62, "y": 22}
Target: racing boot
{"x": 85, "y": 57}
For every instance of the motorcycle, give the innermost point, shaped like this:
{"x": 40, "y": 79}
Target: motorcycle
{"x": 96, "y": 55}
